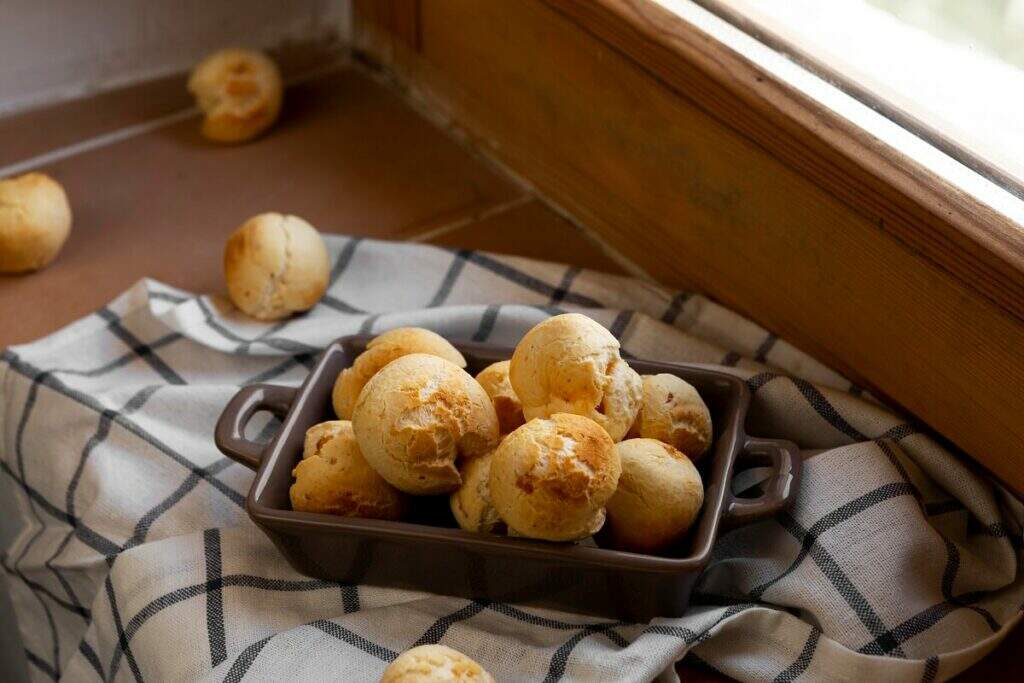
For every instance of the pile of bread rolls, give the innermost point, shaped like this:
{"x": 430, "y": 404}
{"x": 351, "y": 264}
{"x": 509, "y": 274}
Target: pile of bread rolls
{"x": 558, "y": 443}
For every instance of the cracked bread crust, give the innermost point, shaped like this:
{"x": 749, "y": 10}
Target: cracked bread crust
{"x": 434, "y": 664}
{"x": 239, "y": 92}
{"x": 471, "y": 505}
{"x": 494, "y": 380}
{"x": 672, "y": 411}
{"x": 551, "y": 478}
{"x": 35, "y": 220}
{"x": 659, "y": 496}
{"x": 275, "y": 265}
{"x": 334, "y": 478}
{"x": 571, "y": 364}
{"x": 379, "y": 352}
{"x": 417, "y": 417}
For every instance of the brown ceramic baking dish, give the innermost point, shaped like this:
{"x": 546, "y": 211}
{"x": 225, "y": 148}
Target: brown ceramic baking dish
{"x": 430, "y": 553}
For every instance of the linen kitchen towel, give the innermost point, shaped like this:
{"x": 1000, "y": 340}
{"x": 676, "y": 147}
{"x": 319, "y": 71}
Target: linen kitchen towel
{"x": 135, "y": 559}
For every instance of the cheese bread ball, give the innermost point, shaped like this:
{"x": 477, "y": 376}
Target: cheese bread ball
{"x": 552, "y": 477}
{"x": 434, "y": 664}
{"x": 417, "y": 417}
{"x": 494, "y": 380}
{"x": 334, "y": 478}
{"x": 471, "y": 504}
{"x": 672, "y": 411}
{"x": 571, "y": 364}
{"x": 35, "y": 219}
{"x": 660, "y": 493}
{"x": 275, "y": 265}
{"x": 379, "y": 352}
{"x": 239, "y": 92}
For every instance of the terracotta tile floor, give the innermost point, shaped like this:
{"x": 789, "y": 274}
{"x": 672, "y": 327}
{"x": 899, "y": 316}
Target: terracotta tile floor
{"x": 348, "y": 154}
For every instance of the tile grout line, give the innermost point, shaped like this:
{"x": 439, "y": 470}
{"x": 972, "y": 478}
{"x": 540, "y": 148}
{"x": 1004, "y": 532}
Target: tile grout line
{"x": 474, "y": 217}
{"x": 128, "y": 132}
{"x": 430, "y": 109}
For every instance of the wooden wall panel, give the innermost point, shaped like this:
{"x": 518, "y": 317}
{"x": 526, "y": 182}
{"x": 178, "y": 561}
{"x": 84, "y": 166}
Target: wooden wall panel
{"x": 692, "y": 197}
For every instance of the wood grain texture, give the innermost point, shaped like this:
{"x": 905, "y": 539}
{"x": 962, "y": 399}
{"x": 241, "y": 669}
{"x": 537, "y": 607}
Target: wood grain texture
{"x": 741, "y": 200}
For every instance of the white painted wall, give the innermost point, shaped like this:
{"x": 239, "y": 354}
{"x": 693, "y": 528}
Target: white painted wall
{"x": 56, "y": 49}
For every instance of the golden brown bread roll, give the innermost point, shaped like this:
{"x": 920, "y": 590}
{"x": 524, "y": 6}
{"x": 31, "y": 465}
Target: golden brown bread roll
{"x": 494, "y": 380}
{"x": 571, "y": 364}
{"x": 672, "y": 411}
{"x": 551, "y": 478}
{"x": 434, "y": 664}
{"x": 379, "y": 352}
{"x": 471, "y": 504}
{"x": 334, "y": 478}
{"x": 35, "y": 219}
{"x": 660, "y": 493}
{"x": 417, "y": 417}
{"x": 275, "y": 265}
{"x": 239, "y": 91}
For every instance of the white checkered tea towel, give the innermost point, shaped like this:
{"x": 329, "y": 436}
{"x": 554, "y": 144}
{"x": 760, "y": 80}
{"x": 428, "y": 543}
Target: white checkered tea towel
{"x": 136, "y": 560}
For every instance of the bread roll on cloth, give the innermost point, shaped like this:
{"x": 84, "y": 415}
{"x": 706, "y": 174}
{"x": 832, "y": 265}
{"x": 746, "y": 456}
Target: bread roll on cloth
{"x": 660, "y": 493}
{"x": 275, "y": 265}
{"x": 471, "y": 504}
{"x": 417, "y": 417}
{"x": 35, "y": 219}
{"x": 672, "y": 411}
{"x": 571, "y": 364}
{"x": 552, "y": 477}
{"x": 379, "y": 352}
{"x": 494, "y": 380}
{"x": 334, "y": 478}
{"x": 434, "y": 664}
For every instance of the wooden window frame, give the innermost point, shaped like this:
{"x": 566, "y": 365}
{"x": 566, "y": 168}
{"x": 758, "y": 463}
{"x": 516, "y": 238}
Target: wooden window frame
{"x": 919, "y": 285}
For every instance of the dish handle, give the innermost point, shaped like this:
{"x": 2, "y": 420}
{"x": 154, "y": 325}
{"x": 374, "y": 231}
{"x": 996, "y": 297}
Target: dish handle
{"x": 229, "y": 434}
{"x": 783, "y": 460}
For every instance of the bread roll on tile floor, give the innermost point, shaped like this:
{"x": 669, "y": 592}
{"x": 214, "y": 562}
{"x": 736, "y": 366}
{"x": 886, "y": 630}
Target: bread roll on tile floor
{"x": 239, "y": 92}
{"x": 35, "y": 220}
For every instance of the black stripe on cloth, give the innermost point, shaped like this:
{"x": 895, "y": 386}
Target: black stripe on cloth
{"x": 350, "y": 598}
{"x": 142, "y": 350}
{"x": 436, "y": 632}
{"x": 91, "y": 657}
{"x": 288, "y": 345}
{"x": 94, "y": 540}
{"x": 809, "y": 538}
{"x": 74, "y": 608}
{"x": 337, "y": 304}
{"x": 122, "y": 360}
{"x": 931, "y": 669}
{"x": 354, "y": 639}
{"x": 284, "y": 366}
{"x": 145, "y": 522}
{"x": 41, "y": 664}
{"x": 214, "y": 597}
{"x": 904, "y": 631}
{"x": 54, "y": 638}
{"x": 794, "y": 670}
{"x": 843, "y": 585}
{"x": 367, "y": 326}
{"x": 855, "y": 389}
{"x": 528, "y": 281}
{"x": 123, "y": 646}
{"x": 244, "y": 660}
{"x": 344, "y": 259}
{"x": 621, "y": 323}
{"x": 28, "y": 370}
{"x": 565, "y": 285}
{"x": 534, "y": 620}
{"x": 890, "y": 454}
{"x": 556, "y": 668}
{"x": 487, "y": 321}
{"x": 826, "y": 410}
{"x": 448, "y": 282}
{"x": 731, "y": 359}
{"x": 691, "y": 637}
{"x": 949, "y": 579}
{"x": 762, "y": 351}
{"x": 675, "y": 307}
{"x": 167, "y": 296}
{"x": 187, "y": 592}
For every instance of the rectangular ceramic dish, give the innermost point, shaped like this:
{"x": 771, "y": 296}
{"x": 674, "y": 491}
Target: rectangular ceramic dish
{"x": 430, "y": 553}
